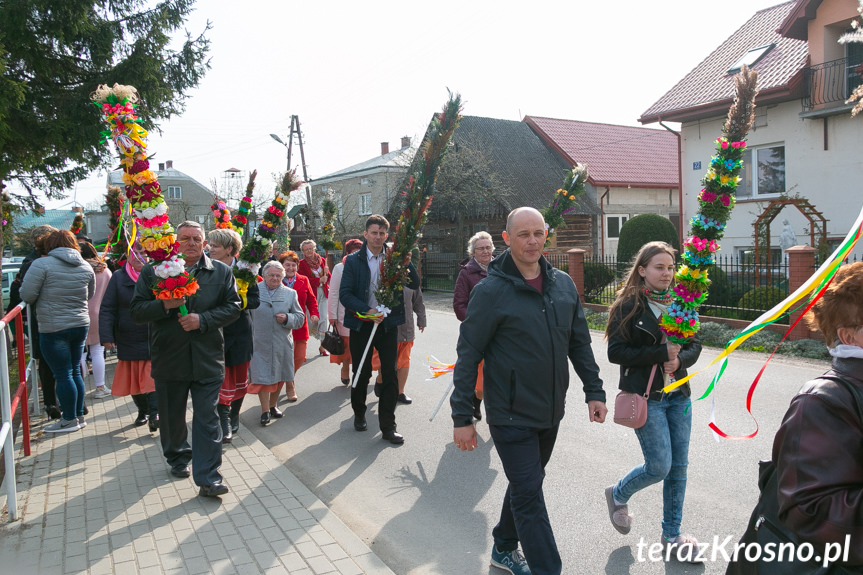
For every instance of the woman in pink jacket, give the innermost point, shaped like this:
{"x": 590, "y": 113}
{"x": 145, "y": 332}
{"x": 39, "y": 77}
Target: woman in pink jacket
{"x": 97, "y": 351}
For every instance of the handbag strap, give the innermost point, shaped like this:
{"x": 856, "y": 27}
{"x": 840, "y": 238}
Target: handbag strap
{"x": 650, "y": 382}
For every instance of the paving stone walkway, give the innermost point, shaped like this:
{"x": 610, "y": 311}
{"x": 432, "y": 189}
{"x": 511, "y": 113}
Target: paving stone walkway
{"x": 101, "y": 500}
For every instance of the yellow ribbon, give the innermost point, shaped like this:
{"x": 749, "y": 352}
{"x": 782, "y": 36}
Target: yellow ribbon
{"x": 242, "y": 289}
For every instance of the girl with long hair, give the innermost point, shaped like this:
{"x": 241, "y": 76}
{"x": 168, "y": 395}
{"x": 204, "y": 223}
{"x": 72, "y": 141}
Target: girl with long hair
{"x": 636, "y": 343}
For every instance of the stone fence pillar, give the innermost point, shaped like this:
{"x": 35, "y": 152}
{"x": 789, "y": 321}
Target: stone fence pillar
{"x": 801, "y": 266}
{"x": 576, "y": 270}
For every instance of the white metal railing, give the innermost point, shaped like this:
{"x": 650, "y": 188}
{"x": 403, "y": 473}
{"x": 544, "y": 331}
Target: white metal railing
{"x": 8, "y": 404}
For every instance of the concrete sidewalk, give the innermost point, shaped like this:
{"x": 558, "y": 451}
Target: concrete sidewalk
{"x": 101, "y": 500}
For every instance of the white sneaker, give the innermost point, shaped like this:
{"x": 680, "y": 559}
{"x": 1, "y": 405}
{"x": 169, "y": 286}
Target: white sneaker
{"x": 63, "y": 426}
{"x": 102, "y": 392}
{"x": 81, "y": 423}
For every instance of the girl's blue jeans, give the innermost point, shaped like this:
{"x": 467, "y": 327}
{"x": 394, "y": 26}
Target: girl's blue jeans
{"x": 664, "y": 442}
{"x": 62, "y": 350}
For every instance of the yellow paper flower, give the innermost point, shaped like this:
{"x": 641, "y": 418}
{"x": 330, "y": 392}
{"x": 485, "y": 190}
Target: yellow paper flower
{"x": 149, "y": 244}
{"x": 571, "y": 197}
{"x": 695, "y": 274}
{"x": 723, "y": 179}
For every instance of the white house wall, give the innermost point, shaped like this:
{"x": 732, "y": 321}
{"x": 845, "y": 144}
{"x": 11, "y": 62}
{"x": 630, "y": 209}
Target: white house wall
{"x": 832, "y": 179}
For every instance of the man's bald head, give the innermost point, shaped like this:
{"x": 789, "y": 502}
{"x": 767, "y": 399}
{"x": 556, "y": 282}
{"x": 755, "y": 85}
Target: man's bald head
{"x": 518, "y": 214}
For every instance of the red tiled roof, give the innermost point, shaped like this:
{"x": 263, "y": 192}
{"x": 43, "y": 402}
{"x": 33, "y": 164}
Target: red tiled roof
{"x": 615, "y": 155}
{"x": 707, "y": 90}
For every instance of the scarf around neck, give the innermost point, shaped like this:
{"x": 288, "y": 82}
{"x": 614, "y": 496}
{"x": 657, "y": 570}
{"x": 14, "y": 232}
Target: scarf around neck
{"x": 133, "y": 275}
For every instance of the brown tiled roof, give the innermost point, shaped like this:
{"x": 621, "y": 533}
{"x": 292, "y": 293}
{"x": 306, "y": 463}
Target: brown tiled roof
{"x": 707, "y": 90}
{"x": 615, "y": 155}
{"x": 796, "y": 24}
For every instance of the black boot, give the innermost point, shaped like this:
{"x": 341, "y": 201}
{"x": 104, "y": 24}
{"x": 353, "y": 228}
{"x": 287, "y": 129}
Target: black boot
{"x": 235, "y": 414}
{"x": 143, "y": 410}
{"x": 477, "y": 414}
{"x": 225, "y": 422}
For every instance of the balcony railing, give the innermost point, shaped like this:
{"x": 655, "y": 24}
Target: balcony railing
{"x": 830, "y": 82}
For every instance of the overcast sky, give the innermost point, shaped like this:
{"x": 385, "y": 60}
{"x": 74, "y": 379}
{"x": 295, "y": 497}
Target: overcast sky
{"x": 361, "y": 73}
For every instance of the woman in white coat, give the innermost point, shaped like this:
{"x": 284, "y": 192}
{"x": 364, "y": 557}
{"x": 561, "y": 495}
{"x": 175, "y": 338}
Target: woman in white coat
{"x": 273, "y": 359}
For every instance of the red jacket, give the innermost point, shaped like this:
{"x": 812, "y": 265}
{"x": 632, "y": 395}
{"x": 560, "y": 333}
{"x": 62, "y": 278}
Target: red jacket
{"x": 308, "y": 300}
{"x": 818, "y": 453}
{"x": 305, "y": 269}
{"x": 471, "y": 274}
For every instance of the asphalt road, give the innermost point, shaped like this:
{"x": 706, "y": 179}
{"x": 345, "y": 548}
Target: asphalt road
{"x": 426, "y": 508}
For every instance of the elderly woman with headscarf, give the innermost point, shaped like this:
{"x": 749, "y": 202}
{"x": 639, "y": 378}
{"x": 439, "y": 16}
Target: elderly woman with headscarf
{"x": 117, "y": 330}
{"x": 309, "y": 304}
{"x": 480, "y": 250}
{"x": 314, "y": 267}
{"x": 336, "y": 311}
{"x": 59, "y": 285}
{"x": 97, "y": 351}
{"x": 273, "y": 361}
{"x": 224, "y": 246}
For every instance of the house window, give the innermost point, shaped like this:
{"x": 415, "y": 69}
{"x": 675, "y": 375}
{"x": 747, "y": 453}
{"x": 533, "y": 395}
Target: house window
{"x": 763, "y": 172}
{"x": 325, "y": 189}
{"x": 338, "y": 200}
{"x": 750, "y": 58}
{"x": 365, "y": 181}
{"x": 480, "y": 227}
{"x": 613, "y": 225}
{"x": 174, "y": 193}
{"x": 201, "y": 219}
{"x": 365, "y": 204}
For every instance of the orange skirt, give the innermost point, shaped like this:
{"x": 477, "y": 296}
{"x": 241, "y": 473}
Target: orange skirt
{"x": 256, "y": 388}
{"x": 132, "y": 378}
{"x": 345, "y": 357}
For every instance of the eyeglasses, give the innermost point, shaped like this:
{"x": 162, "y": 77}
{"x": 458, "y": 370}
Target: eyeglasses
{"x": 192, "y": 240}
{"x": 485, "y": 249}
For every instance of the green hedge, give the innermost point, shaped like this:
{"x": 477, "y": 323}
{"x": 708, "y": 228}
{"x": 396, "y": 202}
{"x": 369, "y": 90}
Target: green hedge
{"x": 641, "y": 229}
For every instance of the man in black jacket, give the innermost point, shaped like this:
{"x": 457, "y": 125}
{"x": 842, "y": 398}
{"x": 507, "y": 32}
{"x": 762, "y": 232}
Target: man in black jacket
{"x": 46, "y": 376}
{"x": 525, "y": 319}
{"x": 356, "y": 292}
{"x": 188, "y": 356}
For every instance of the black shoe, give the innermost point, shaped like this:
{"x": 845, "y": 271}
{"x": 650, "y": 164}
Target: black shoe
{"x": 265, "y": 418}
{"x": 181, "y": 470}
{"x": 53, "y": 412}
{"x": 274, "y": 412}
{"x": 214, "y": 490}
{"x": 377, "y": 389}
{"x": 360, "y": 423}
{"x": 153, "y": 423}
{"x": 86, "y": 411}
{"x": 225, "y": 422}
{"x": 345, "y": 381}
{"x": 393, "y": 437}
{"x": 141, "y": 419}
{"x": 405, "y": 399}
{"x": 477, "y": 414}
{"x": 235, "y": 414}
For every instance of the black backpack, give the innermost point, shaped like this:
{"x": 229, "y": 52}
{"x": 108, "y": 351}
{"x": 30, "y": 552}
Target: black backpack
{"x": 765, "y": 528}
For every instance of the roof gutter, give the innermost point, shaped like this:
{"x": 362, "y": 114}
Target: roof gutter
{"x": 602, "y": 220}
{"x": 680, "y": 218}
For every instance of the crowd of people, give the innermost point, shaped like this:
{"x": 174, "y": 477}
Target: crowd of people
{"x": 226, "y": 345}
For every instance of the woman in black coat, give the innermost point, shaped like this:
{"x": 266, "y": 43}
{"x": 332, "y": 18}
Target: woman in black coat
{"x": 224, "y": 246}
{"x": 116, "y": 329}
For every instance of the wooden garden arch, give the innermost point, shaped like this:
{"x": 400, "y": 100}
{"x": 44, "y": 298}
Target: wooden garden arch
{"x": 816, "y": 219}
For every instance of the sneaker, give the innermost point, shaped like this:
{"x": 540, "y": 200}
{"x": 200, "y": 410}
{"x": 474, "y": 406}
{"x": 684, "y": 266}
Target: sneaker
{"x": 81, "y": 423}
{"x": 684, "y": 548}
{"x": 63, "y": 426}
{"x": 619, "y": 514}
{"x": 102, "y": 392}
{"x": 511, "y": 561}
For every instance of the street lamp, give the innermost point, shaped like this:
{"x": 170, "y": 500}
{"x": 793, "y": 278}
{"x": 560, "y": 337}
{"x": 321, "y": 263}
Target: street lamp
{"x": 279, "y": 140}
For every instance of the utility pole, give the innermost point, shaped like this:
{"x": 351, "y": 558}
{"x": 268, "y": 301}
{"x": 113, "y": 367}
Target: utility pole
{"x": 295, "y": 130}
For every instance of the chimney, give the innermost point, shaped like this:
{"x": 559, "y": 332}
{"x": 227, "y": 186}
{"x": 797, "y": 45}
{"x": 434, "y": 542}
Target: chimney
{"x": 161, "y": 166}
{"x": 385, "y": 148}
{"x": 406, "y": 141}
{"x": 169, "y": 164}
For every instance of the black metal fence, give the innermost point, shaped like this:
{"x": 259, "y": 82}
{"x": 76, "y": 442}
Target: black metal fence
{"x": 830, "y": 82}
{"x": 439, "y": 270}
{"x": 738, "y": 290}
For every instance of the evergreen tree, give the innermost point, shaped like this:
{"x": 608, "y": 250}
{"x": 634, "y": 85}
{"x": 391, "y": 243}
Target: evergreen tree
{"x": 53, "y": 54}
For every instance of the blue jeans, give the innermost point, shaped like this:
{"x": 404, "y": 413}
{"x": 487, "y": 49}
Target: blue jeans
{"x": 63, "y": 350}
{"x": 664, "y": 442}
{"x": 524, "y": 452}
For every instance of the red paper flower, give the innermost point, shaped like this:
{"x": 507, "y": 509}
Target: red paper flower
{"x": 170, "y": 283}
